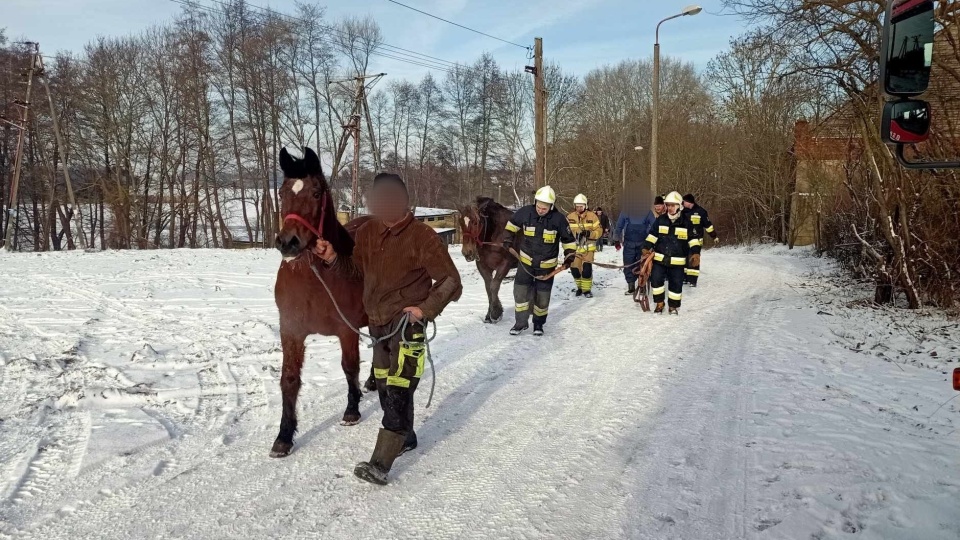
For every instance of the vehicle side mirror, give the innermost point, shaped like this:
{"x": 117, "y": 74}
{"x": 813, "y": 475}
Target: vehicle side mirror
{"x": 906, "y": 121}
{"x": 908, "y": 47}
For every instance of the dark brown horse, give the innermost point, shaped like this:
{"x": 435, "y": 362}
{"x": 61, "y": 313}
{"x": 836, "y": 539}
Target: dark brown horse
{"x": 483, "y": 228}
{"x": 308, "y": 211}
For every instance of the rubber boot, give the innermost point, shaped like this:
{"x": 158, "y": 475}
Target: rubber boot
{"x": 674, "y": 311}
{"x": 631, "y": 289}
{"x": 389, "y": 444}
{"x": 410, "y": 443}
{"x": 537, "y": 329}
{"x": 518, "y": 329}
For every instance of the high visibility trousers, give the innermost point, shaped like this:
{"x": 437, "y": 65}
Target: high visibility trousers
{"x": 691, "y": 273}
{"x": 397, "y": 369}
{"x": 631, "y": 254}
{"x": 583, "y": 278}
{"x": 667, "y": 281}
{"x": 531, "y": 295}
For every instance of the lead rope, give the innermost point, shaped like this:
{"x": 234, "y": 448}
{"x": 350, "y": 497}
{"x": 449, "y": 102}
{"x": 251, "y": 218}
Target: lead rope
{"x": 401, "y": 328}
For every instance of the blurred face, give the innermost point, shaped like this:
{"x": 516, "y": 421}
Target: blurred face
{"x": 673, "y": 208}
{"x": 658, "y": 208}
{"x": 389, "y": 202}
{"x": 542, "y": 208}
{"x": 581, "y": 208}
{"x": 687, "y": 205}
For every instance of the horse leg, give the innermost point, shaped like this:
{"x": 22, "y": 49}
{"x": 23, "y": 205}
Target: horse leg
{"x": 493, "y": 292}
{"x": 350, "y": 362}
{"x": 487, "y": 275}
{"x": 293, "y": 351}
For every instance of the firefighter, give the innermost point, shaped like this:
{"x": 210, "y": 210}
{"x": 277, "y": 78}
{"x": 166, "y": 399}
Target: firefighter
{"x": 407, "y": 274}
{"x": 542, "y": 231}
{"x": 672, "y": 241}
{"x": 586, "y": 228}
{"x": 701, "y": 225}
{"x": 632, "y": 228}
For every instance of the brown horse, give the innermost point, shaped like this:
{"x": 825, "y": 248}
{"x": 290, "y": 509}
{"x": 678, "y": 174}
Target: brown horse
{"x": 483, "y": 228}
{"x": 308, "y": 211}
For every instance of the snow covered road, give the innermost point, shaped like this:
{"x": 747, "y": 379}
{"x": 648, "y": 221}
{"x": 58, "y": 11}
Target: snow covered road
{"x": 139, "y": 398}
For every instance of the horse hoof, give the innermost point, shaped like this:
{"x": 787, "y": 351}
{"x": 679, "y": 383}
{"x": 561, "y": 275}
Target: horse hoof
{"x": 350, "y": 419}
{"x": 281, "y": 449}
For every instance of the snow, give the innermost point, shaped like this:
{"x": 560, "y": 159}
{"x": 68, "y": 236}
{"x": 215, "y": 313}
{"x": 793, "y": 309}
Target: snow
{"x": 139, "y": 397}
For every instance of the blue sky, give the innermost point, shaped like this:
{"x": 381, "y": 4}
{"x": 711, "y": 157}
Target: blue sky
{"x": 579, "y": 34}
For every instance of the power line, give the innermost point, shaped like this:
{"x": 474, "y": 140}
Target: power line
{"x": 526, "y": 47}
{"x": 386, "y": 50}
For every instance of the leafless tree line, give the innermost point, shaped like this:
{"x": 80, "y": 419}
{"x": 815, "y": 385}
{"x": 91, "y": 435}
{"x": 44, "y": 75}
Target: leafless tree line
{"x": 172, "y": 136}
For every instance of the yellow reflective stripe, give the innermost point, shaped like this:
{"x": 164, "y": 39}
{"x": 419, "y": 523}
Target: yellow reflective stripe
{"x": 525, "y": 259}
{"x": 552, "y": 263}
{"x": 592, "y": 247}
{"x": 658, "y": 256}
{"x": 673, "y": 296}
{"x": 549, "y": 236}
{"x": 652, "y": 239}
{"x": 380, "y": 373}
{"x": 400, "y": 359}
{"x": 398, "y": 381}
{"x": 664, "y": 229}
{"x": 523, "y": 307}
{"x": 571, "y": 245}
{"x": 419, "y": 372}
{"x": 511, "y": 227}
{"x": 529, "y": 231}
{"x": 678, "y": 261}
{"x": 692, "y": 272}
{"x": 681, "y": 233}
{"x": 710, "y": 229}
{"x": 586, "y": 284}
{"x": 694, "y": 243}
{"x": 540, "y": 312}
{"x": 695, "y": 219}
{"x": 658, "y": 290}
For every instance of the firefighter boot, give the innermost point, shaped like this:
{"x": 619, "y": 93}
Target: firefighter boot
{"x": 674, "y": 311}
{"x": 538, "y": 329}
{"x": 659, "y": 308}
{"x": 518, "y": 329}
{"x": 631, "y": 289}
{"x": 410, "y": 443}
{"x": 389, "y": 444}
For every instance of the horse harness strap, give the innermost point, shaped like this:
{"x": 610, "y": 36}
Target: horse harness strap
{"x": 318, "y": 230}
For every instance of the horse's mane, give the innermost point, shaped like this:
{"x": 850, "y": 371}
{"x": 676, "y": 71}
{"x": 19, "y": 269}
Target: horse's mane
{"x": 486, "y": 205}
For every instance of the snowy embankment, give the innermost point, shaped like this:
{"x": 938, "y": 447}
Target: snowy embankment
{"x": 139, "y": 398}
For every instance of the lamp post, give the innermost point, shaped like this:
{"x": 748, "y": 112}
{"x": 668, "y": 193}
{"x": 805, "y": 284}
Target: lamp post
{"x": 689, "y": 10}
{"x": 637, "y": 148}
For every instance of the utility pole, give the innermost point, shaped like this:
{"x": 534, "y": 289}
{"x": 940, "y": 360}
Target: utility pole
{"x": 13, "y": 206}
{"x": 539, "y": 114}
{"x": 73, "y": 212}
{"x": 352, "y": 129}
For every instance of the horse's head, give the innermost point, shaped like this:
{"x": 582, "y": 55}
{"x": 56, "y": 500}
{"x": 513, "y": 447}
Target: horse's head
{"x": 305, "y": 203}
{"x": 471, "y": 229}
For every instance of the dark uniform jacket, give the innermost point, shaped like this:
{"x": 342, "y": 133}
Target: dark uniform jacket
{"x": 401, "y": 266}
{"x": 543, "y": 237}
{"x": 672, "y": 241}
{"x": 701, "y": 222}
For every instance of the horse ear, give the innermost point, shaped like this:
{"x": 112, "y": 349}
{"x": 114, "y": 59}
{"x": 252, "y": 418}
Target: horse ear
{"x": 312, "y": 162}
{"x": 286, "y": 162}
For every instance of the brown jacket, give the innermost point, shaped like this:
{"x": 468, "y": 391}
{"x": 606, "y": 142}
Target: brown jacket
{"x": 404, "y": 265}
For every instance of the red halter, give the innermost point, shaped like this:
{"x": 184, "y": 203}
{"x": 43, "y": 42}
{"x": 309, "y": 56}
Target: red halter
{"x": 318, "y": 230}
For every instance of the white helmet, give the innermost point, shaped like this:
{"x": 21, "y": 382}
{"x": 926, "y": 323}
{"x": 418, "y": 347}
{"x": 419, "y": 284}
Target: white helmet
{"x": 673, "y": 198}
{"x": 580, "y": 199}
{"x": 546, "y": 195}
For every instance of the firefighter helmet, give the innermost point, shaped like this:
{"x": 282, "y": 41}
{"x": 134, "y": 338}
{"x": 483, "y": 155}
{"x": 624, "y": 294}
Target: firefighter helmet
{"x": 673, "y": 198}
{"x": 546, "y": 195}
{"x": 580, "y": 199}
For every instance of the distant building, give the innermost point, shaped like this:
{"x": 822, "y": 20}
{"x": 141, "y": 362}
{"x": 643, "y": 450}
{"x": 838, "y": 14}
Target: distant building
{"x": 444, "y": 220}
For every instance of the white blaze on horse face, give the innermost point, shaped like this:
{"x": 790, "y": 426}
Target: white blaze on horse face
{"x": 466, "y": 221}
{"x": 297, "y": 186}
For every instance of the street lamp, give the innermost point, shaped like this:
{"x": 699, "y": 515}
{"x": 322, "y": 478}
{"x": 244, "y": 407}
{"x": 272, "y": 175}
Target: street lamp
{"x": 689, "y": 10}
{"x": 637, "y": 148}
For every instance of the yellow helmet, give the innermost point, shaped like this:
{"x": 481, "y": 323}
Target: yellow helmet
{"x": 546, "y": 195}
{"x": 580, "y": 199}
{"x": 673, "y": 198}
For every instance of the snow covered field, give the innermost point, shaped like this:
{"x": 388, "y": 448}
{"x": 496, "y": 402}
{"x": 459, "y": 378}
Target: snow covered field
{"x": 139, "y": 397}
